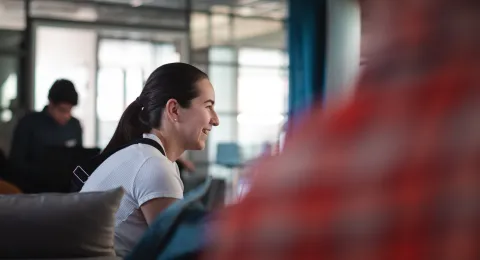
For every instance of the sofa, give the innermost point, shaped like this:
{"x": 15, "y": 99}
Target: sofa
{"x": 80, "y": 226}
{"x": 59, "y": 226}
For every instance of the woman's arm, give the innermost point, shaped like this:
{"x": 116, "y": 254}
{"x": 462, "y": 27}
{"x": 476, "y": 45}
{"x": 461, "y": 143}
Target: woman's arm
{"x": 153, "y": 207}
{"x": 156, "y": 186}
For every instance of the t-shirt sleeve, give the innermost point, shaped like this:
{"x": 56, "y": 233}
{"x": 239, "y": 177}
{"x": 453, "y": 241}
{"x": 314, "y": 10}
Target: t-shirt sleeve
{"x": 156, "y": 179}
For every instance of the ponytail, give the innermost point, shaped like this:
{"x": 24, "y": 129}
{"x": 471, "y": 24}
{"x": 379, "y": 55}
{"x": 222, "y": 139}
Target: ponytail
{"x": 130, "y": 127}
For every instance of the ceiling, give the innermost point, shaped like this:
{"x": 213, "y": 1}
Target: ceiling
{"x": 275, "y": 9}
{"x": 12, "y": 15}
{"x": 244, "y": 28}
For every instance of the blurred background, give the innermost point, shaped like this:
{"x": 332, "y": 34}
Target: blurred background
{"x": 261, "y": 56}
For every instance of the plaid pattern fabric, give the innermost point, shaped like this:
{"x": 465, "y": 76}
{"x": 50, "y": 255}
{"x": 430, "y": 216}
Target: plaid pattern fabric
{"x": 394, "y": 174}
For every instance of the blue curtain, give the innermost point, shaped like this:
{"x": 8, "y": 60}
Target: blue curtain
{"x": 307, "y": 53}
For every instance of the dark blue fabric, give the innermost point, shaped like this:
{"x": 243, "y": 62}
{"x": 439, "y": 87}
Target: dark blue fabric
{"x": 307, "y": 53}
{"x": 179, "y": 231}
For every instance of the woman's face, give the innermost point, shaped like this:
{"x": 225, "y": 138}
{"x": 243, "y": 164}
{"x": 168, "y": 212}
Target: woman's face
{"x": 196, "y": 122}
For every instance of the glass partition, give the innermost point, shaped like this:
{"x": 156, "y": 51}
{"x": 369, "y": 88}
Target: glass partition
{"x": 124, "y": 66}
{"x": 67, "y": 53}
{"x": 107, "y": 65}
{"x": 246, "y": 60}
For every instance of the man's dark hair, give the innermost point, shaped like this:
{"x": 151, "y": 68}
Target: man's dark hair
{"x": 63, "y": 91}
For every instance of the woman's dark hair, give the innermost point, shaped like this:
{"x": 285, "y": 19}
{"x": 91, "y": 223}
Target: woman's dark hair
{"x": 171, "y": 81}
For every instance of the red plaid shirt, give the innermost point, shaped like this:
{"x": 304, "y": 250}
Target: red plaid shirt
{"x": 394, "y": 174}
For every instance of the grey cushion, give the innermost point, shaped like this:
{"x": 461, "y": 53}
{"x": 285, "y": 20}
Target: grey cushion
{"x": 85, "y": 258}
{"x": 71, "y": 225}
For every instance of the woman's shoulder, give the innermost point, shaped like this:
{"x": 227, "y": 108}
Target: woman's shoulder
{"x": 137, "y": 153}
{"x": 159, "y": 177}
{"x": 147, "y": 150}
{"x": 138, "y": 159}
{"x": 127, "y": 160}
{"x": 155, "y": 165}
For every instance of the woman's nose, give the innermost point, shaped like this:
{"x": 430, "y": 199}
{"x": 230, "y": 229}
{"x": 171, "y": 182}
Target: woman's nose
{"x": 215, "y": 121}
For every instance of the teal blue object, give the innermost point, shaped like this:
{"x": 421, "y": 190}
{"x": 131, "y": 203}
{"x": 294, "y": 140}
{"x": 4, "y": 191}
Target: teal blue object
{"x": 179, "y": 231}
{"x": 229, "y": 155}
{"x": 307, "y": 34}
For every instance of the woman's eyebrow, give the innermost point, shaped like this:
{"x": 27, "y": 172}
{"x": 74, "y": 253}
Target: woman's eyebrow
{"x": 211, "y": 101}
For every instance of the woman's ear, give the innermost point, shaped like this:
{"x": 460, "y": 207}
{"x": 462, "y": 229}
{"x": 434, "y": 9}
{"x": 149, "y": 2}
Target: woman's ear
{"x": 171, "y": 109}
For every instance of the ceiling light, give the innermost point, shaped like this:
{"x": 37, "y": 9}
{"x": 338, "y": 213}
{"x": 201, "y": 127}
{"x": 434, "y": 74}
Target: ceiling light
{"x": 136, "y": 3}
{"x": 245, "y": 11}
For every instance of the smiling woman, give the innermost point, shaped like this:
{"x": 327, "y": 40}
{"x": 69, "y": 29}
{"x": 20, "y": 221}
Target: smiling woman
{"x": 176, "y": 110}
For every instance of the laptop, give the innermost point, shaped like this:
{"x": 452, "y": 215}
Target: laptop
{"x": 56, "y": 167}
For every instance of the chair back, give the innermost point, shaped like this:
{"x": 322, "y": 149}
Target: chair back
{"x": 7, "y": 188}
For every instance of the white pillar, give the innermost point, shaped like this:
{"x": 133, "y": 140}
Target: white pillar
{"x": 343, "y": 48}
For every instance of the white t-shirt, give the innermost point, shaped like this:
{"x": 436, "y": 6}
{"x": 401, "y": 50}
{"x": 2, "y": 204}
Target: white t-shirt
{"x": 145, "y": 174}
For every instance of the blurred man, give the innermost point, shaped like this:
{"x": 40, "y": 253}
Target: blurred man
{"x": 53, "y": 126}
{"x": 394, "y": 174}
